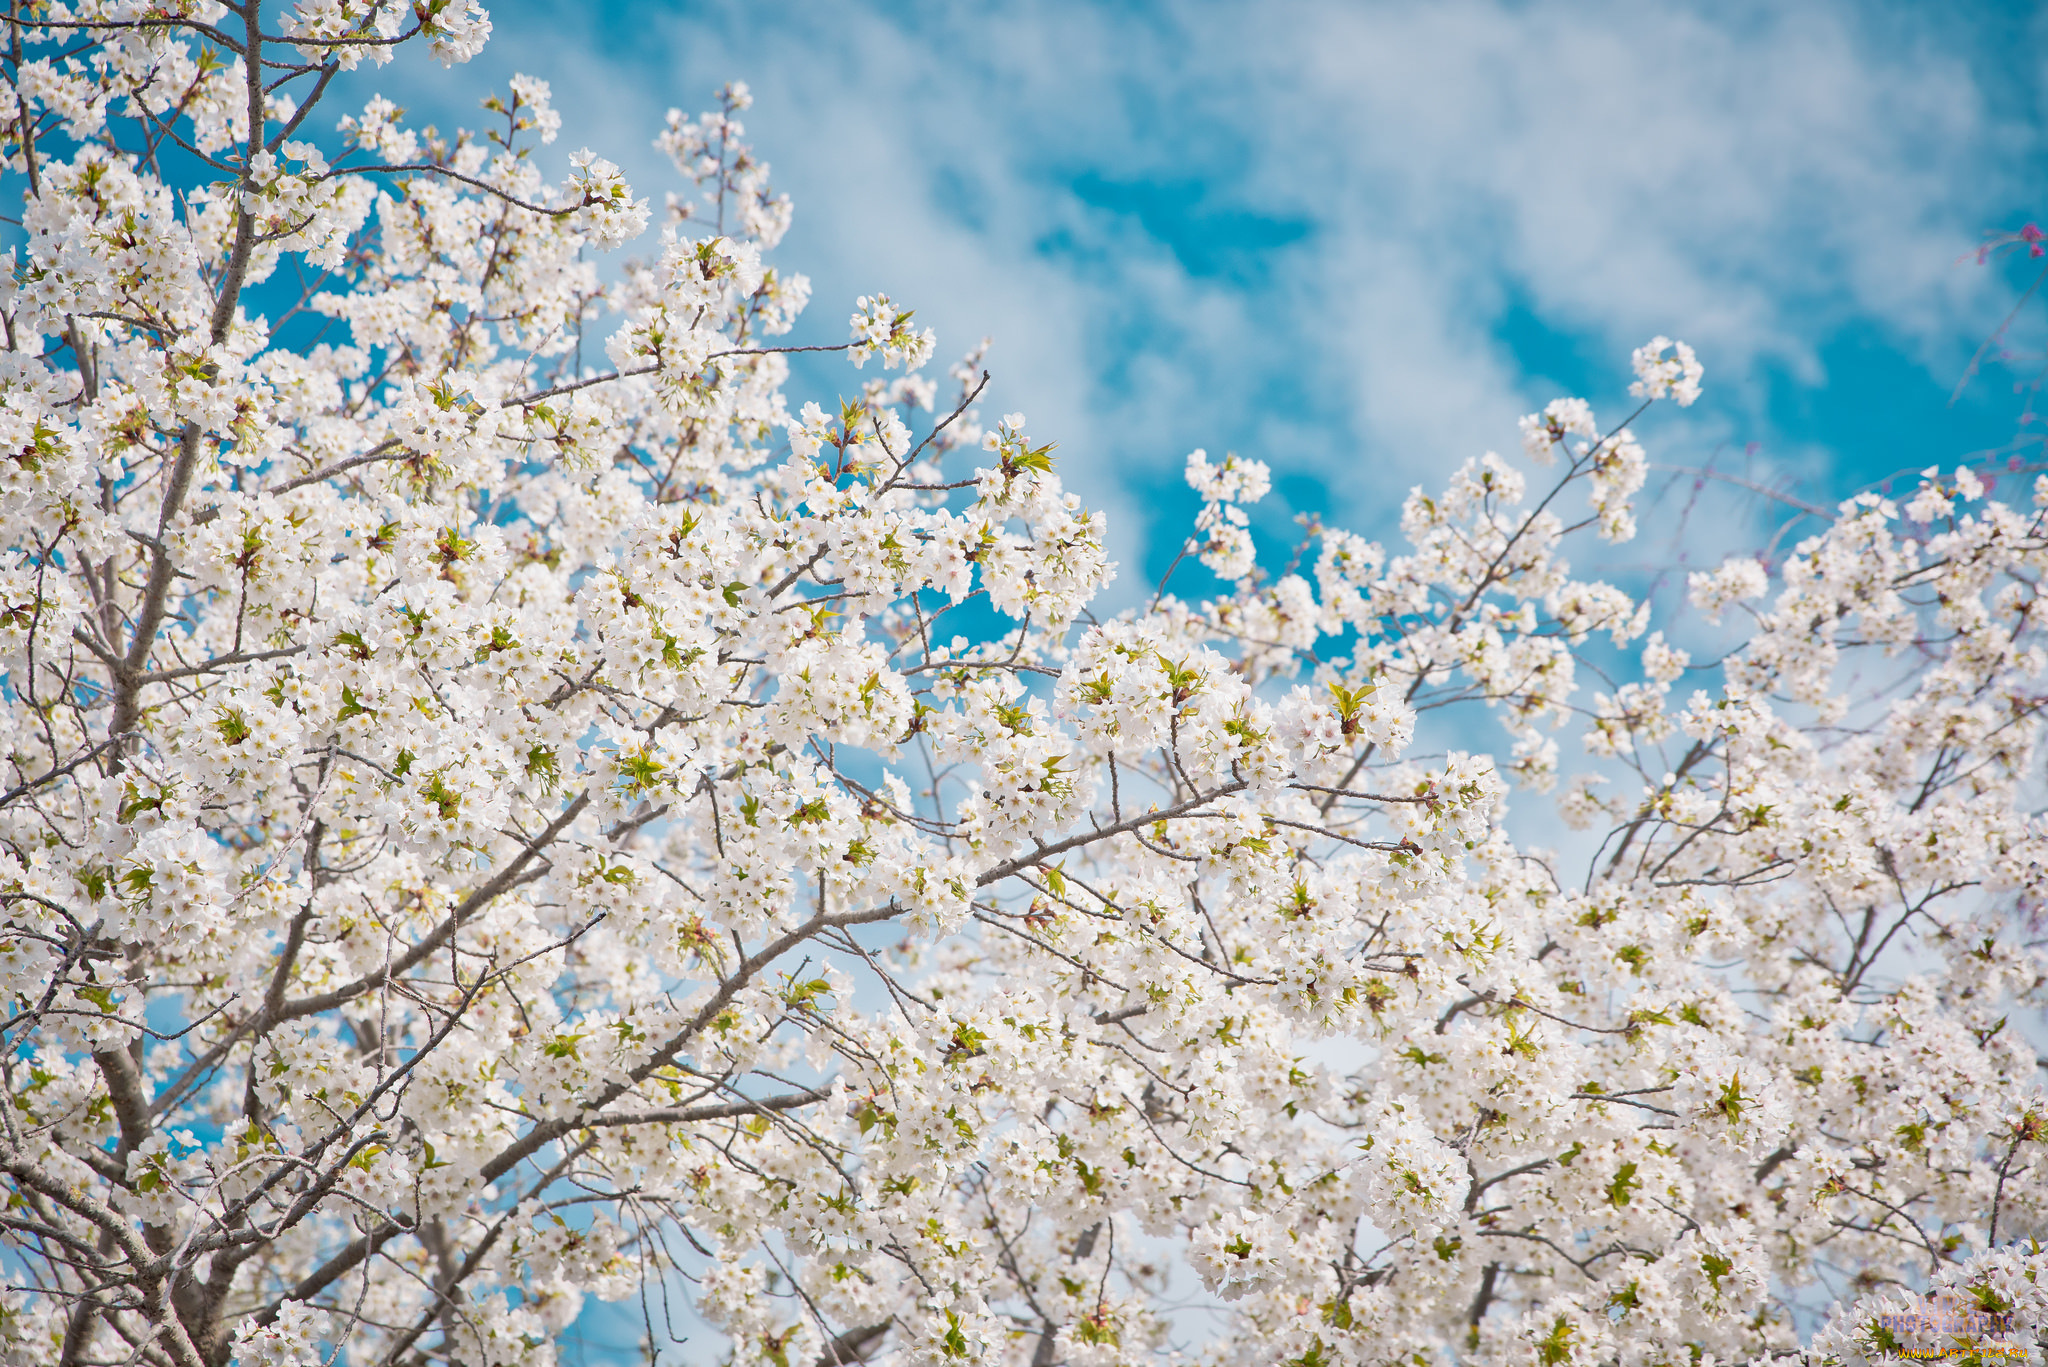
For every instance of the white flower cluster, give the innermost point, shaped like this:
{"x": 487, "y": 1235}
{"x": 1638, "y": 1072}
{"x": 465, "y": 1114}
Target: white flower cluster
{"x": 1675, "y": 377}
{"x": 292, "y": 1338}
{"x": 483, "y": 830}
{"x": 879, "y": 328}
{"x": 711, "y": 150}
{"x": 1223, "y": 540}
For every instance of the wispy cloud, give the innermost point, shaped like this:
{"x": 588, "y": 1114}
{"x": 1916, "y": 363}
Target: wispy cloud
{"x": 1355, "y": 240}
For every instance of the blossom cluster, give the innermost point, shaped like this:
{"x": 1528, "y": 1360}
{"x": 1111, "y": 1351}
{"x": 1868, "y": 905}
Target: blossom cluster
{"x": 485, "y": 829}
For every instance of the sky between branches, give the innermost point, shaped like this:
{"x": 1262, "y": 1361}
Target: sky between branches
{"x": 1354, "y": 240}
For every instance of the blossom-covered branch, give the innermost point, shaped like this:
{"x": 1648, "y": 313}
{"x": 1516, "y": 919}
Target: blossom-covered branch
{"x": 485, "y": 827}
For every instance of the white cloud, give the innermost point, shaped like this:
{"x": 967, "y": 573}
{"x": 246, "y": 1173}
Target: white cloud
{"x": 1752, "y": 178}
{"x": 1648, "y": 165}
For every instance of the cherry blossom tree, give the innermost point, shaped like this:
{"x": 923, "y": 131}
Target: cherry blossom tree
{"x": 505, "y": 807}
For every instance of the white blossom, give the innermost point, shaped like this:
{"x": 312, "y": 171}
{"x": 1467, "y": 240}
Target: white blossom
{"x": 486, "y": 831}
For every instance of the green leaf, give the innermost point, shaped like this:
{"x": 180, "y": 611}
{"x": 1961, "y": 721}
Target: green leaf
{"x": 352, "y": 706}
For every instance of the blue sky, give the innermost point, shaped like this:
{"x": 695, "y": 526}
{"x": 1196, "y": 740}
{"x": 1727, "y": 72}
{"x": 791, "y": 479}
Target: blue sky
{"x": 1356, "y": 240}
